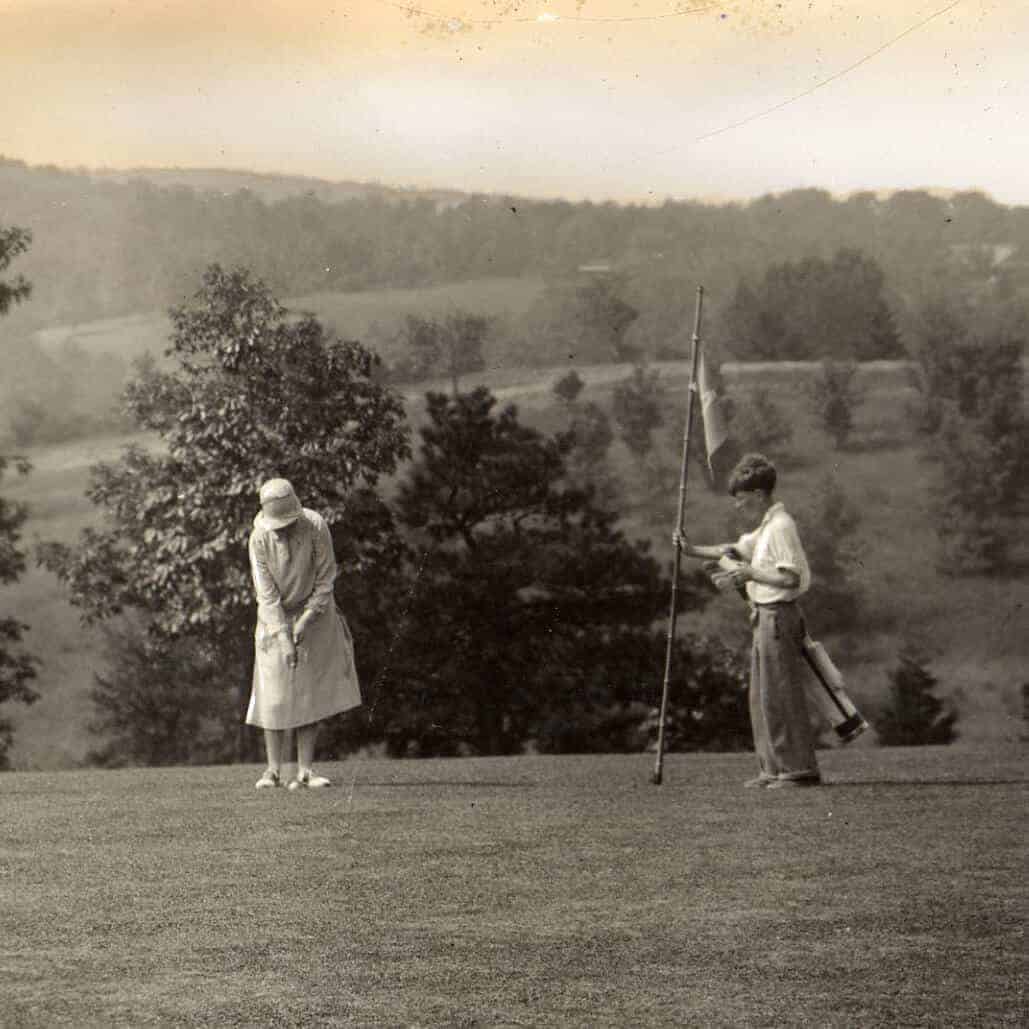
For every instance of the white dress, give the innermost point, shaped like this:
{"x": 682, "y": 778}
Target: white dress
{"x": 294, "y": 571}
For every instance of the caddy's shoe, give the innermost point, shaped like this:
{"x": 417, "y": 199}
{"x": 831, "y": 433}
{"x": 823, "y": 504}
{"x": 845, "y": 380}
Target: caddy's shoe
{"x": 786, "y": 784}
{"x": 310, "y": 781}
{"x": 757, "y": 782}
{"x": 269, "y": 780}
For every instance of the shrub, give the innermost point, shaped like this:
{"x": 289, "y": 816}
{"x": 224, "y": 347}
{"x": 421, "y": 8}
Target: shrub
{"x": 833, "y": 396}
{"x": 913, "y": 715}
{"x": 568, "y": 387}
{"x": 637, "y": 409}
{"x": 162, "y": 702}
{"x": 579, "y": 730}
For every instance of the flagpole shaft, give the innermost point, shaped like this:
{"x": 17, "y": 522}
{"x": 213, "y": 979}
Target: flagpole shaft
{"x": 683, "y": 474}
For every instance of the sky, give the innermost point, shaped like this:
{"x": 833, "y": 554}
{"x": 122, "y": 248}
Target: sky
{"x": 583, "y": 99}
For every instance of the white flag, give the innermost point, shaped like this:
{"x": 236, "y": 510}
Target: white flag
{"x": 716, "y": 424}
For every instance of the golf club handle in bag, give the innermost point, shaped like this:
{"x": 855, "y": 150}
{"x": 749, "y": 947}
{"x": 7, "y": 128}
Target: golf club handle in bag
{"x": 825, "y": 690}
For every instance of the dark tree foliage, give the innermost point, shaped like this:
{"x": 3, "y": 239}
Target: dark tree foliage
{"x": 253, "y": 393}
{"x": 813, "y": 308}
{"x": 619, "y": 710}
{"x": 708, "y": 708}
{"x": 13, "y": 241}
{"x": 162, "y": 702}
{"x": 524, "y": 588}
{"x": 17, "y": 668}
{"x": 913, "y": 716}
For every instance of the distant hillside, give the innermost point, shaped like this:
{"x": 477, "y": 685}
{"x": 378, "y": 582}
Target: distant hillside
{"x": 272, "y": 187}
{"x": 108, "y": 244}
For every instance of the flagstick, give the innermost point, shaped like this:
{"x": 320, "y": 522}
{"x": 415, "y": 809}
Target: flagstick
{"x": 694, "y": 358}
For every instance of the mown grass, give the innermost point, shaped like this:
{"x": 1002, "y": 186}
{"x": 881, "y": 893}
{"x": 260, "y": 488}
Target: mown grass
{"x": 519, "y": 892}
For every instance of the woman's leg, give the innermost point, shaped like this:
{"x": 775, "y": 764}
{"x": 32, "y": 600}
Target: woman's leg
{"x": 273, "y": 746}
{"x": 306, "y": 736}
{"x": 273, "y": 749}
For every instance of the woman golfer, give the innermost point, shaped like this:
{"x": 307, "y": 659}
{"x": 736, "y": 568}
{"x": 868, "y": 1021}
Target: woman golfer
{"x": 304, "y": 663}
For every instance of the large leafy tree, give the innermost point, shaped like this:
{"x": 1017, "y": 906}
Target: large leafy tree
{"x": 251, "y": 392}
{"x": 451, "y": 345}
{"x": 17, "y": 668}
{"x": 582, "y": 318}
{"x": 813, "y": 309}
{"x": 522, "y": 588}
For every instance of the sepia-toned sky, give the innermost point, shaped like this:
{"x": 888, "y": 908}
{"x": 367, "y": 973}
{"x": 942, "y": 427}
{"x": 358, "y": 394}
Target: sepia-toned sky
{"x": 619, "y": 99}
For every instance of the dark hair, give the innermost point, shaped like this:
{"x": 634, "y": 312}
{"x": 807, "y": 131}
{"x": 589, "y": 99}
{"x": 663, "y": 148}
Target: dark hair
{"x": 752, "y": 471}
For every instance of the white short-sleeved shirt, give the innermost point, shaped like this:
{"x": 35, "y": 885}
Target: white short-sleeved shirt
{"x": 775, "y": 546}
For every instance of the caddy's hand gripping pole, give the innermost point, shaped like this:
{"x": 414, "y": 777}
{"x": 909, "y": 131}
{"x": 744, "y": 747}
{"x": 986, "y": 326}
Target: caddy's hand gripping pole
{"x": 694, "y": 359}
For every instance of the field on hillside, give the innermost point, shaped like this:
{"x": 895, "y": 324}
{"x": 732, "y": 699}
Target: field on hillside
{"x": 352, "y": 315}
{"x": 968, "y": 627}
{"x": 519, "y": 892}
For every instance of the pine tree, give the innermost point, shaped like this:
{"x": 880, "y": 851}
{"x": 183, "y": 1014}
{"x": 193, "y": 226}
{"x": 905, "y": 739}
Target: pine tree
{"x": 833, "y": 396}
{"x": 913, "y": 716}
{"x": 568, "y": 387}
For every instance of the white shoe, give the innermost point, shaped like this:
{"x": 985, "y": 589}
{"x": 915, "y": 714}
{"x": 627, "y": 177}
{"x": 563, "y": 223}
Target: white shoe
{"x": 268, "y": 780}
{"x": 310, "y": 781}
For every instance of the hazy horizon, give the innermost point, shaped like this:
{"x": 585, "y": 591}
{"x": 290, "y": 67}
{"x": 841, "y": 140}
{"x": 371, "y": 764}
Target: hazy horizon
{"x": 714, "y": 200}
{"x": 598, "y": 100}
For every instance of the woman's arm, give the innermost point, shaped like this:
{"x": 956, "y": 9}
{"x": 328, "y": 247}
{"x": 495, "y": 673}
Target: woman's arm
{"x": 270, "y": 612}
{"x": 324, "y": 579}
{"x": 269, "y": 601}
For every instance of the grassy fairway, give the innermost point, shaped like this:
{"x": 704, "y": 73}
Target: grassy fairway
{"x": 526, "y": 891}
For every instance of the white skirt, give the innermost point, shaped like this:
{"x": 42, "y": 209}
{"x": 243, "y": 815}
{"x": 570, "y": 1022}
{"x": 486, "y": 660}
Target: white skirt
{"x": 323, "y": 682}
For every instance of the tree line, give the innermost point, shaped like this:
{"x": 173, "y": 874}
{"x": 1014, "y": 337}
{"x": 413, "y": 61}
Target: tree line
{"x": 106, "y": 248}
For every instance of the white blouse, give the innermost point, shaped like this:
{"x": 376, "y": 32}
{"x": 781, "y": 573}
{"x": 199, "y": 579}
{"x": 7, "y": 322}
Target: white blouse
{"x": 293, "y": 570}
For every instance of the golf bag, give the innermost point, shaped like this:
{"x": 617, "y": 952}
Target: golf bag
{"x": 826, "y": 694}
{"x": 825, "y": 691}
